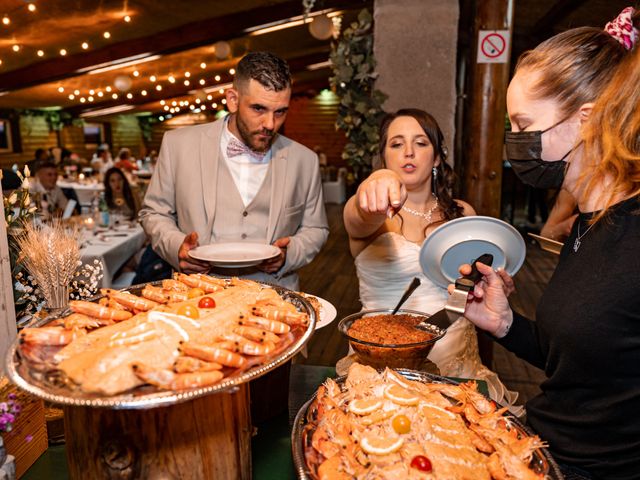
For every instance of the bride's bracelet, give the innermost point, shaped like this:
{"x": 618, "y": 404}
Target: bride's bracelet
{"x": 503, "y": 330}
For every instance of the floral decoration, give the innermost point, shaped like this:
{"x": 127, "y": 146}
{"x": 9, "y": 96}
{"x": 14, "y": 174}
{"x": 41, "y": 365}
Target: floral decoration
{"x": 9, "y": 412}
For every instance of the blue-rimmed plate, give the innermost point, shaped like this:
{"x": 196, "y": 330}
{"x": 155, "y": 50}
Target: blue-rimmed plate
{"x": 463, "y": 240}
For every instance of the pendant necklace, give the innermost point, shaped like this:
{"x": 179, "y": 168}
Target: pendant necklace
{"x": 578, "y": 242}
{"x": 426, "y": 215}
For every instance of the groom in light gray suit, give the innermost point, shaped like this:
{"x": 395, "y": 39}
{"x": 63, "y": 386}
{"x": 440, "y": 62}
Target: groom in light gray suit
{"x": 238, "y": 180}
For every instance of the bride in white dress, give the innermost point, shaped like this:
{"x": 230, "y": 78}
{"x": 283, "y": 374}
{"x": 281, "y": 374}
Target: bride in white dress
{"x": 394, "y": 210}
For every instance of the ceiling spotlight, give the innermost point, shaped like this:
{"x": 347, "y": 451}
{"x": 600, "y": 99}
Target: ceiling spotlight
{"x": 171, "y": 79}
{"x": 6, "y": 20}
{"x": 202, "y": 82}
{"x": 143, "y": 93}
{"x": 159, "y": 87}
{"x": 203, "y": 65}
{"x": 100, "y": 94}
{"x": 187, "y": 82}
{"x": 16, "y": 48}
{"x": 232, "y": 71}
{"x": 129, "y": 96}
{"x": 162, "y": 102}
{"x": 41, "y": 53}
{"x": 153, "y": 78}
{"x": 106, "y": 35}
{"x": 63, "y": 52}
{"x": 82, "y": 99}
{"x": 72, "y": 96}
{"x": 187, "y": 74}
{"x": 61, "y": 89}
{"x": 31, "y": 7}
{"x": 114, "y": 96}
{"x": 76, "y": 92}
{"x": 127, "y": 18}
{"x": 217, "y": 78}
{"x": 108, "y": 89}
{"x": 84, "y": 45}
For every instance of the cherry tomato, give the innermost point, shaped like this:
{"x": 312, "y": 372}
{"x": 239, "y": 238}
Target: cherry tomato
{"x": 422, "y": 463}
{"x": 401, "y": 424}
{"x": 207, "y": 302}
{"x": 188, "y": 311}
{"x": 195, "y": 292}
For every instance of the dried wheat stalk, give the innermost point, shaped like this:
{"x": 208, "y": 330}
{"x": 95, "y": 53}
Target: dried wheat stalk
{"x": 51, "y": 254}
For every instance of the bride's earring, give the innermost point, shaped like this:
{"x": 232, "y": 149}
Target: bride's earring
{"x": 434, "y": 182}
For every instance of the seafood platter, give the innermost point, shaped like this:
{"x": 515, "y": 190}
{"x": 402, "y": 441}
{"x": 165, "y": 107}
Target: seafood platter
{"x": 390, "y": 424}
{"x": 162, "y": 343}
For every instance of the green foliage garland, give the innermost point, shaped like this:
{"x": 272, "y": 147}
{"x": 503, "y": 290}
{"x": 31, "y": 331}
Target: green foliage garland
{"x": 360, "y": 109}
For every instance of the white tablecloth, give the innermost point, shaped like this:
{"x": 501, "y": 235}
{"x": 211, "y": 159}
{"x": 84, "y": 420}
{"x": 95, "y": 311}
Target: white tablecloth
{"x": 84, "y": 191}
{"x": 112, "y": 250}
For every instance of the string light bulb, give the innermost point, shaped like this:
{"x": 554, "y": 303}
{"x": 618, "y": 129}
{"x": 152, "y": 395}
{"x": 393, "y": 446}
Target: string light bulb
{"x": 91, "y": 92}
{"x": 106, "y": 35}
{"x": 153, "y": 78}
{"x": 217, "y": 78}
{"x": 6, "y": 20}
{"x": 171, "y": 79}
{"x": 202, "y": 82}
{"x": 114, "y": 96}
{"x": 63, "y": 52}
{"x": 209, "y": 97}
{"x": 100, "y": 94}
{"x": 61, "y": 89}
{"x": 203, "y": 65}
{"x": 129, "y": 96}
{"x": 84, "y": 45}
{"x": 16, "y": 48}
{"x": 162, "y": 102}
{"x": 187, "y": 74}
{"x": 224, "y": 101}
{"x": 187, "y": 82}
{"x": 90, "y": 98}
{"x": 166, "y": 108}
{"x": 82, "y": 99}
{"x": 159, "y": 88}
{"x": 40, "y": 53}
{"x": 108, "y": 89}
{"x": 76, "y": 92}
{"x": 143, "y": 93}
{"x": 161, "y": 118}
{"x": 71, "y": 96}
{"x": 127, "y": 18}
{"x": 31, "y": 7}
{"x": 232, "y": 71}
{"x": 136, "y": 73}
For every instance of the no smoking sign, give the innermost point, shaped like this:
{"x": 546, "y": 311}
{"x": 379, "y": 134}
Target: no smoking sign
{"x": 493, "y": 46}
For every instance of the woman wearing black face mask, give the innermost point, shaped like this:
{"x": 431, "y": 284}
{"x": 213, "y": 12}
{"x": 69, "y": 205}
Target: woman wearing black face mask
{"x": 573, "y": 105}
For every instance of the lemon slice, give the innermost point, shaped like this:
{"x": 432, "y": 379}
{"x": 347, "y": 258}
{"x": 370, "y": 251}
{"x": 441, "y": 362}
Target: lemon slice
{"x": 381, "y": 445}
{"x": 364, "y": 406}
{"x": 400, "y": 395}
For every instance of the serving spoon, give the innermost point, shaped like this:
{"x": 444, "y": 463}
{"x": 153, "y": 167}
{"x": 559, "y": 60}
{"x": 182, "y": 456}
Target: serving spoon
{"x": 415, "y": 283}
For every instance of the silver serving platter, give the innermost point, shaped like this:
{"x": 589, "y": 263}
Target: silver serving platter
{"x": 46, "y": 385}
{"x": 542, "y": 459}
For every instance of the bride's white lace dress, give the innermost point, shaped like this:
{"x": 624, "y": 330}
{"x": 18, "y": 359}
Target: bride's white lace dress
{"x": 385, "y": 268}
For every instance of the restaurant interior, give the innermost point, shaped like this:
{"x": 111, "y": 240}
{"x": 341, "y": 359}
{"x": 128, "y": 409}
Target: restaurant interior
{"x": 84, "y": 84}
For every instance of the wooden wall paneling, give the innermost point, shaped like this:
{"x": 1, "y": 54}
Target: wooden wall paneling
{"x": 126, "y": 132}
{"x": 34, "y": 134}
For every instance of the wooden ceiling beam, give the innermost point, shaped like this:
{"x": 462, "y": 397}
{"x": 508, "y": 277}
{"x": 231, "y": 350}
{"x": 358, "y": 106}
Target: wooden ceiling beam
{"x": 543, "y": 28}
{"x": 185, "y": 37}
{"x": 170, "y": 92}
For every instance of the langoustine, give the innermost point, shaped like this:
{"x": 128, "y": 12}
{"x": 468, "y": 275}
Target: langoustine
{"x": 125, "y": 341}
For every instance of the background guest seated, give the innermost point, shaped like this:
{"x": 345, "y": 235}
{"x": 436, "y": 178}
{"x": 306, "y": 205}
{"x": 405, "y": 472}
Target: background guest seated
{"x": 118, "y": 194}
{"x": 52, "y": 199}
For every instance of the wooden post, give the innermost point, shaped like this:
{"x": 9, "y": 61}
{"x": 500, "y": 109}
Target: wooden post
{"x": 485, "y": 115}
{"x": 8, "y": 328}
{"x": 205, "y": 438}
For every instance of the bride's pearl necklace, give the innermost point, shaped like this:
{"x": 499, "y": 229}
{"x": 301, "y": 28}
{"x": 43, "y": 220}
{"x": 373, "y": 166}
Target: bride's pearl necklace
{"x": 426, "y": 215}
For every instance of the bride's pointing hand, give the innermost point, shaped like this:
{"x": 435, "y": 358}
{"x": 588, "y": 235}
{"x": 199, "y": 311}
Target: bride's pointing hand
{"x": 382, "y": 192}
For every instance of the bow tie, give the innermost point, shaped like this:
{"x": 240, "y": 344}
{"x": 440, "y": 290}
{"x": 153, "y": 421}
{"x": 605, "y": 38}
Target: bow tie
{"x": 236, "y": 147}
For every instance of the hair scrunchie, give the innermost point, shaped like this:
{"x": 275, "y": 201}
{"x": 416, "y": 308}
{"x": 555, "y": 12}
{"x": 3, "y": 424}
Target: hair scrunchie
{"x": 622, "y": 29}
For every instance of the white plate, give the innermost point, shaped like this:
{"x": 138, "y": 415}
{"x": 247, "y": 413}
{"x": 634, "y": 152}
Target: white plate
{"x": 463, "y": 240}
{"x": 234, "y": 255}
{"x": 328, "y": 312}
{"x": 548, "y": 244}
